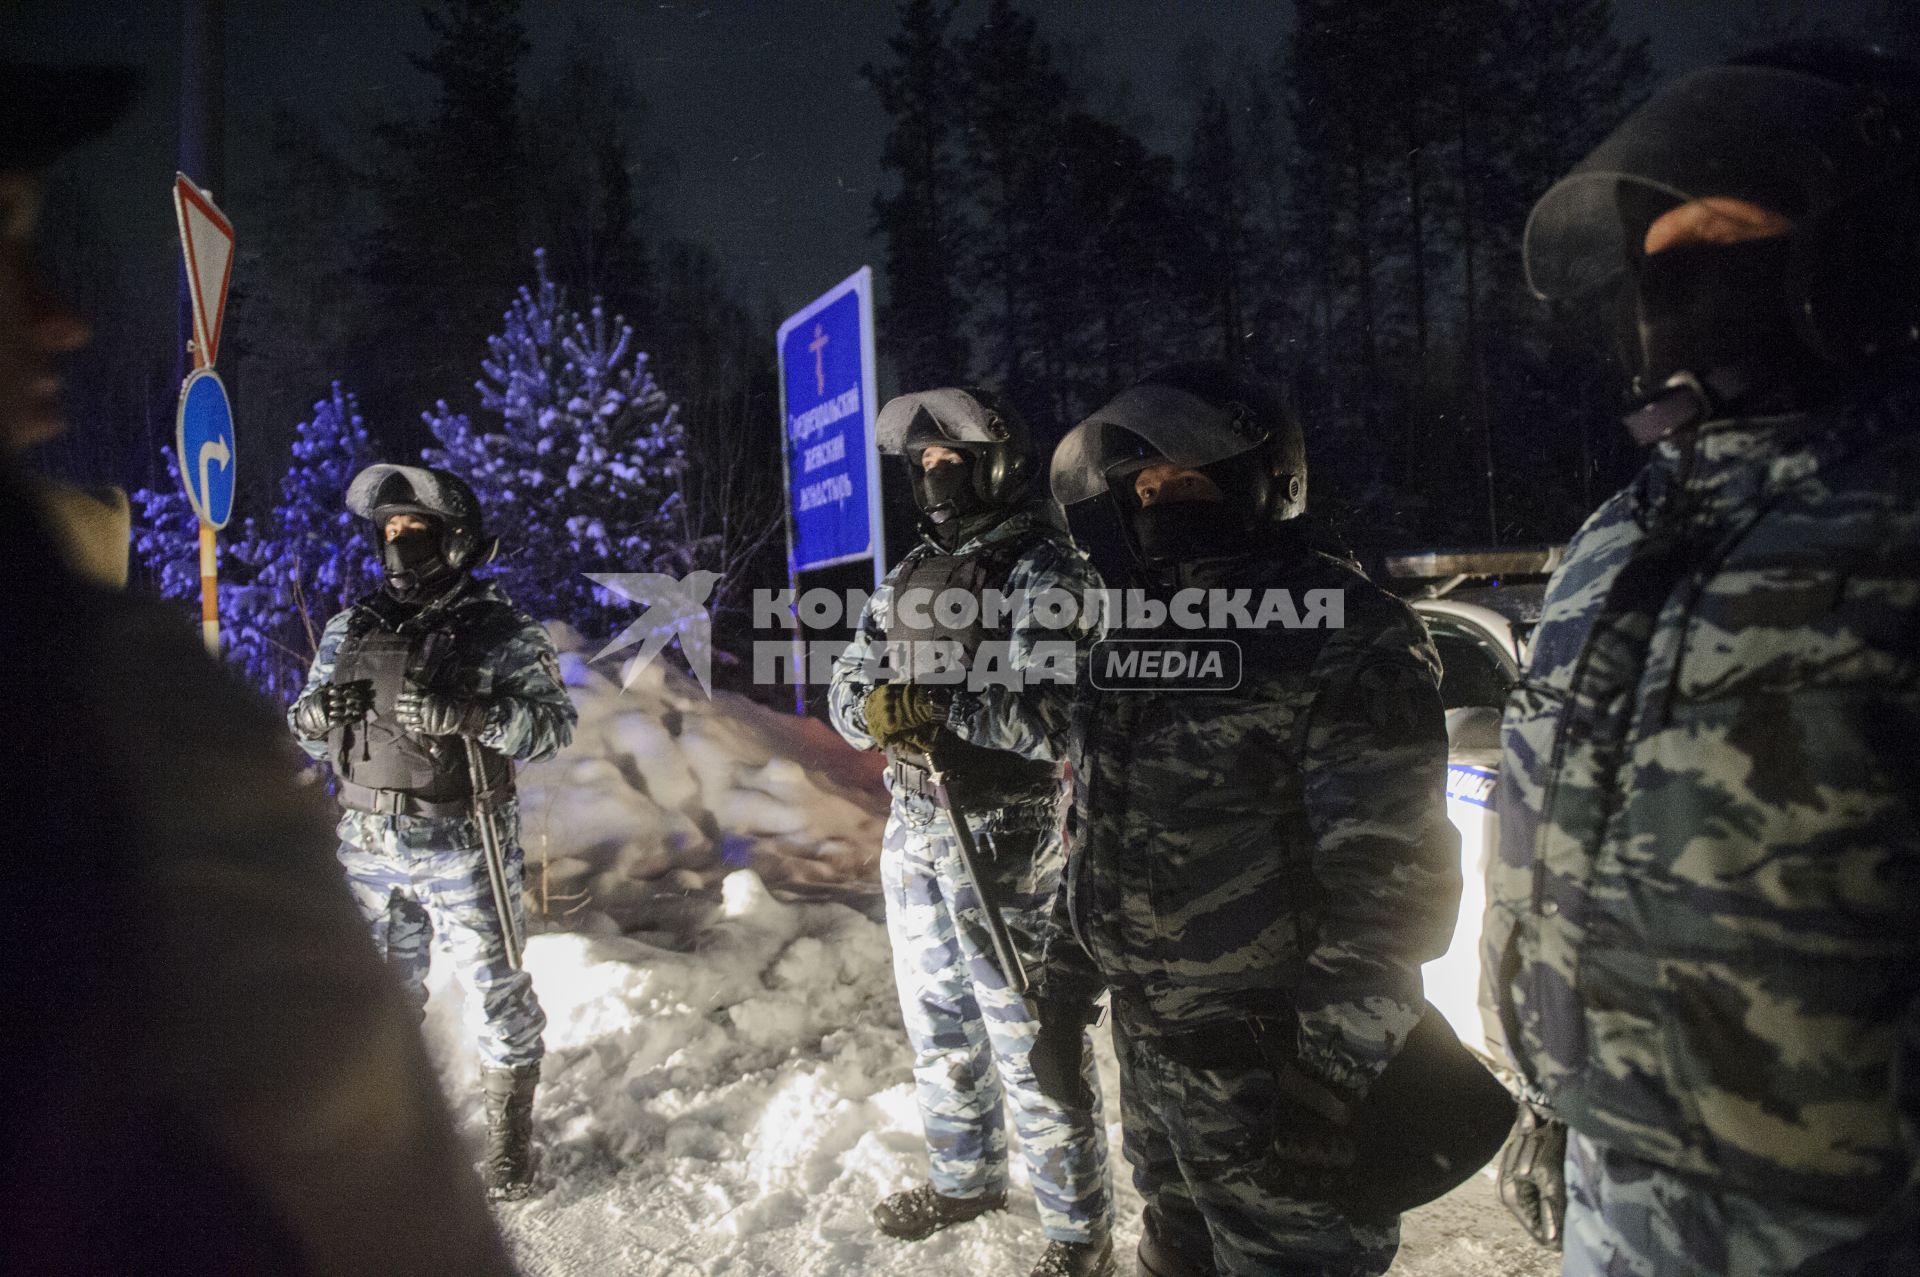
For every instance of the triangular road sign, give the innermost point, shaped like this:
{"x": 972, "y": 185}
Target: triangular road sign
{"x": 206, "y": 237}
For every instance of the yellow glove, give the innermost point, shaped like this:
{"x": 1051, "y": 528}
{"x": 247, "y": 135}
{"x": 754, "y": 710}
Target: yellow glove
{"x": 896, "y": 711}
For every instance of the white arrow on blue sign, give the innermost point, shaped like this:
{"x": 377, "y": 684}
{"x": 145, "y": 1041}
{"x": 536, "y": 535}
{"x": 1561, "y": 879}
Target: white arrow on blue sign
{"x": 203, "y": 442}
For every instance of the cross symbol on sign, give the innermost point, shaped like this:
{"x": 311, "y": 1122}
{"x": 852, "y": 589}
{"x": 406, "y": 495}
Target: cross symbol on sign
{"x": 819, "y": 347}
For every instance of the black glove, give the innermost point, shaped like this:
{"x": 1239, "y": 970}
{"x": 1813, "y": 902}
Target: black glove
{"x": 897, "y": 711}
{"x": 439, "y": 713}
{"x": 1533, "y": 1173}
{"x": 1059, "y": 1053}
{"x": 327, "y": 707}
{"x": 1314, "y": 1153}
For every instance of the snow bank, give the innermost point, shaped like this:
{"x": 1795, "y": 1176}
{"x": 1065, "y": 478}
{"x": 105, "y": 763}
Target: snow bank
{"x": 664, "y": 792}
{"x": 732, "y": 1096}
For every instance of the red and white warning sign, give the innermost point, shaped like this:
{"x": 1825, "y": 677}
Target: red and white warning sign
{"x": 206, "y": 237}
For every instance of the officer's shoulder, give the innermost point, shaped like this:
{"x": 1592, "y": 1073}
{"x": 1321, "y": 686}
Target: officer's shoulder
{"x": 492, "y": 615}
{"x": 1043, "y": 550}
{"x": 1887, "y": 470}
{"x": 1375, "y": 625}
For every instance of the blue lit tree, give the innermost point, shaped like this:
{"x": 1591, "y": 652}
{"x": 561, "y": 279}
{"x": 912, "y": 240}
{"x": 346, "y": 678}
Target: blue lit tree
{"x": 283, "y": 577}
{"x": 581, "y": 470}
{"x": 315, "y": 559}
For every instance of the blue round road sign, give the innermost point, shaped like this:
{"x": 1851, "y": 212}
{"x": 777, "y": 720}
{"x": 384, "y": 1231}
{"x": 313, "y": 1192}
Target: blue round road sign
{"x": 203, "y": 440}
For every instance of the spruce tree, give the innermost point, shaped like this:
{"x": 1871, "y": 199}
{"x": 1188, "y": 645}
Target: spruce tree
{"x": 580, "y": 470}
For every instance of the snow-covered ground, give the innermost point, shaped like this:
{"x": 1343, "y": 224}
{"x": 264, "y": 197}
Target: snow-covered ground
{"x": 734, "y": 1103}
{"x": 726, "y": 1088}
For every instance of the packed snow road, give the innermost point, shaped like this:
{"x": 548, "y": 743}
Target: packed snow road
{"x": 729, "y": 1094}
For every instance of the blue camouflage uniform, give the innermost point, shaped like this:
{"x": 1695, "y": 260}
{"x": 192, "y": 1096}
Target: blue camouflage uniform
{"x": 1703, "y": 931}
{"x": 971, "y": 1033}
{"x": 1267, "y": 862}
{"x": 418, "y": 878}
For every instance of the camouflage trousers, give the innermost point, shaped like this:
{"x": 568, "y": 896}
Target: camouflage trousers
{"x": 970, "y": 1032}
{"x": 1630, "y": 1218}
{"x": 420, "y": 880}
{"x": 1196, "y": 1135}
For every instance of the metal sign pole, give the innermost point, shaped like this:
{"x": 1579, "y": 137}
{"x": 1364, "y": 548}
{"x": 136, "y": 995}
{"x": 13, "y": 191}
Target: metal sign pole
{"x": 786, "y": 517}
{"x": 209, "y": 590}
{"x": 206, "y": 243}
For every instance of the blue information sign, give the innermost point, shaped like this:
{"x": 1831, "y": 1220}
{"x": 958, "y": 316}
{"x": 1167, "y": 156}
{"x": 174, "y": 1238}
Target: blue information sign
{"x": 827, "y": 393}
{"x": 203, "y": 443}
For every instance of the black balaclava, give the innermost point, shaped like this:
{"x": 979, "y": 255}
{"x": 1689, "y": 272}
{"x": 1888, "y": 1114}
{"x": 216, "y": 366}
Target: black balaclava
{"x": 415, "y": 563}
{"x": 947, "y": 491}
{"x": 1177, "y": 531}
{"x": 950, "y": 500}
{"x": 1703, "y": 308}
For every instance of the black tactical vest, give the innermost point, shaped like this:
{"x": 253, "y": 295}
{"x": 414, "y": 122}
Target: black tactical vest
{"x": 376, "y": 753}
{"x": 980, "y": 775}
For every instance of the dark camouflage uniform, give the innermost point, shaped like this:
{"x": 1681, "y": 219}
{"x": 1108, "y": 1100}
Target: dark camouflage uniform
{"x": 971, "y": 1034}
{"x": 1278, "y": 851}
{"x": 422, "y": 878}
{"x": 1704, "y": 928}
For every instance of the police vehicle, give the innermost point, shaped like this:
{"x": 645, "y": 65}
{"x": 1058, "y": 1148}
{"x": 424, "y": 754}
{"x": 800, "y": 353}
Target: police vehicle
{"x": 1481, "y": 607}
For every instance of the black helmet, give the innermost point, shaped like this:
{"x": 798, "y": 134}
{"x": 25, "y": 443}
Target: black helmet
{"x": 971, "y": 421}
{"x": 1234, "y": 427}
{"x": 1825, "y": 132}
{"x": 441, "y": 497}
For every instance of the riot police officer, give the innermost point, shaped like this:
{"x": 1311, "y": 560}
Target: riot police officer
{"x": 1262, "y": 859}
{"x": 401, "y": 681}
{"x": 1704, "y": 917}
{"x": 987, "y": 536}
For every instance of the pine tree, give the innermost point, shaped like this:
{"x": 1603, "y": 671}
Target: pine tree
{"x": 1016, "y": 103}
{"x": 451, "y": 242}
{"x": 923, "y": 222}
{"x": 583, "y": 472}
{"x": 583, "y": 199}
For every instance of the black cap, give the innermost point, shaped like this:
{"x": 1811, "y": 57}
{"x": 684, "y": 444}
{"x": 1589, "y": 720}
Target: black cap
{"x": 46, "y": 110}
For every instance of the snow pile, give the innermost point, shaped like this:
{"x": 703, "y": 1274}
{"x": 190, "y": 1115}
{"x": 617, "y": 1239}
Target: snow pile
{"x": 732, "y": 1097}
{"x": 664, "y": 792}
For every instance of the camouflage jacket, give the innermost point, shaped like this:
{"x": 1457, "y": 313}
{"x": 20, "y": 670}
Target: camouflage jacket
{"x": 1025, "y": 709}
{"x": 1281, "y": 847}
{"x": 1703, "y": 930}
{"x": 509, "y": 652}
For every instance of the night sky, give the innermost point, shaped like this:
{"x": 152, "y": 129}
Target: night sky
{"x": 775, "y": 138}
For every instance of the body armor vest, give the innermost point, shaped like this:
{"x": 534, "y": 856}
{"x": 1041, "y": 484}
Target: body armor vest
{"x": 980, "y": 775}
{"x": 376, "y": 752}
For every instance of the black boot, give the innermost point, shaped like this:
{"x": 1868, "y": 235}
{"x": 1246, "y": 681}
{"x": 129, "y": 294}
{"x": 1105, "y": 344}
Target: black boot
{"x": 1077, "y": 1259}
{"x": 915, "y": 1213}
{"x": 1158, "y": 1257}
{"x": 510, "y": 1130}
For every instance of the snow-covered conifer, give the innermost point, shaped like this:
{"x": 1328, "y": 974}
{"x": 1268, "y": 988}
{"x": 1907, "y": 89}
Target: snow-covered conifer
{"x": 579, "y": 467}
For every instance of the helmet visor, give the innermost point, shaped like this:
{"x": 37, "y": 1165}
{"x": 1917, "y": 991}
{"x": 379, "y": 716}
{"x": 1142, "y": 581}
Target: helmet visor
{"x": 1145, "y": 423}
{"x": 1786, "y": 141}
{"x": 909, "y": 423}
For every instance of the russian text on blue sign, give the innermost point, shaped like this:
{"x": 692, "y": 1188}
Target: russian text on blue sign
{"x": 827, "y": 375}
{"x": 203, "y": 441}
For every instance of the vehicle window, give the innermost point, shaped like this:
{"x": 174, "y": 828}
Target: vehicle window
{"x": 1475, "y": 671}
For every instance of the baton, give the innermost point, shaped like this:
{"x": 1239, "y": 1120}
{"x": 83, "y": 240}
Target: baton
{"x": 484, "y": 817}
{"x": 1012, "y": 970}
